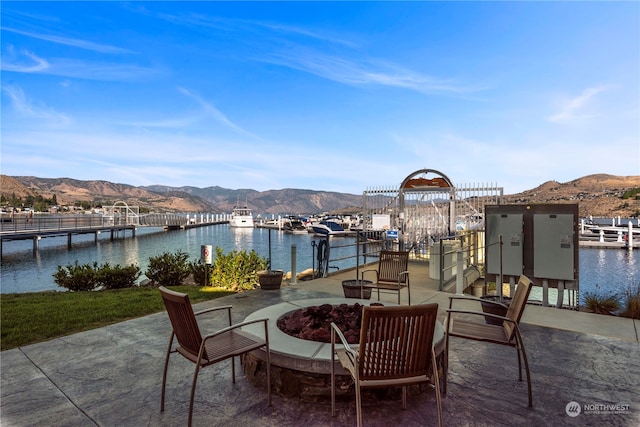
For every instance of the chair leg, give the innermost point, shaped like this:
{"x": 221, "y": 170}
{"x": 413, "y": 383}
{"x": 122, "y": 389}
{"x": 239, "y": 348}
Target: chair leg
{"x": 193, "y": 392}
{"x": 268, "y": 375}
{"x": 233, "y": 369}
{"x": 404, "y": 397}
{"x": 519, "y": 363}
{"x": 445, "y": 362}
{"x": 526, "y": 367}
{"x": 333, "y": 371}
{"x": 164, "y": 373}
{"x": 358, "y": 405}
{"x": 434, "y": 367}
{"x": 333, "y": 384}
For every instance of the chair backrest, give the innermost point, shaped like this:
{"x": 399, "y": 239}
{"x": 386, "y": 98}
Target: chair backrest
{"x": 183, "y": 320}
{"x": 518, "y": 303}
{"x": 391, "y": 264}
{"x": 395, "y": 342}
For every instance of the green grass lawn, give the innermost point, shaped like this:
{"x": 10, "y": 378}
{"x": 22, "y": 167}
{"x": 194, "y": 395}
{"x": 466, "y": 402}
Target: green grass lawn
{"x": 34, "y": 317}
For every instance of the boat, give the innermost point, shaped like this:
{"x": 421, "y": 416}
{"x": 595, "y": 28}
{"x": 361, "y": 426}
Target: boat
{"x": 328, "y": 228}
{"x": 241, "y": 218}
{"x": 294, "y": 225}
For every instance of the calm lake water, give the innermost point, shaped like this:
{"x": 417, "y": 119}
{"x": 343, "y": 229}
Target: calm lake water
{"x": 24, "y": 271}
{"x": 601, "y": 270}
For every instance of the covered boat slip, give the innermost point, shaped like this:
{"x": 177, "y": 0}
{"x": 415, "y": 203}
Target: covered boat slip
{"x": 469, "y": 225}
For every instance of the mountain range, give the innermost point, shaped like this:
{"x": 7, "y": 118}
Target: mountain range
{"x": 599, "y": 195}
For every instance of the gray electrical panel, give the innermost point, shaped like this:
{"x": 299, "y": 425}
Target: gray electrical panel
{"x": 509, "y": 225}
{"x": 538, "y": 240}
{"x": 553, "y": 251}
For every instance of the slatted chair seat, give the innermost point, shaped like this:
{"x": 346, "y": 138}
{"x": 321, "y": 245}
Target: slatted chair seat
{"x": 226, "y": 344}
{"x": 392, "y": 274}
{"x": 506, "y": 334}
{"x": 396, "y": 350}
{"x": 204, "y": 351}
{"x": 479, "y": 332}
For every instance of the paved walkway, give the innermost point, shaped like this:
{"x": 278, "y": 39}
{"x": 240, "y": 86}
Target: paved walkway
{"x": 112, "y": 376}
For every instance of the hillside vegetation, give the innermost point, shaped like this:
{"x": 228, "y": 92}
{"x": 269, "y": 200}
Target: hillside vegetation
{"x": 599, "y": 195}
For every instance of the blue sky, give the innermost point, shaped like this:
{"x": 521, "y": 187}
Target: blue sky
{"x": 329, "y": 96}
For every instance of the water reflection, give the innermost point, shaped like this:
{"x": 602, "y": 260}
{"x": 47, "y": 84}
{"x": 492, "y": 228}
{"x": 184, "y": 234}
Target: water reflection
{"x": 608, "y": 271}
{"x": 601, "y": 270}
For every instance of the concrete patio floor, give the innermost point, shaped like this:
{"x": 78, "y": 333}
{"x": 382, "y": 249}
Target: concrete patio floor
{"x": 112, "y": 376}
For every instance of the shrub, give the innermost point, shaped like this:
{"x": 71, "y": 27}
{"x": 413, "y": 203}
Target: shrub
{"x": 77, "y": 277}
{"x": 168, "y": 269}
{"x": 118, "y": 277}
{"x": 601, "y": 304}
{"x": 198, "y": 270}
{"x": 237, "y": 270}
{"x": 631, "y": 300}
{"x": 88, "y": 277}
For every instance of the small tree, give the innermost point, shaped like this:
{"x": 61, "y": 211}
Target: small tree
{"x": 168, "y": 269}
{"x": 237, "y": 270}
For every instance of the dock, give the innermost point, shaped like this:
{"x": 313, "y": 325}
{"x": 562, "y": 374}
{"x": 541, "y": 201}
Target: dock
{"x": 39, "y": 227}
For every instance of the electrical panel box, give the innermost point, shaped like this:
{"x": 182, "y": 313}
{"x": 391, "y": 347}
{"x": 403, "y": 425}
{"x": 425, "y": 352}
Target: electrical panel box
{"x": 509, "y": 225}
{"x": 553, "y": 251}
{"x": 538, "y": 240}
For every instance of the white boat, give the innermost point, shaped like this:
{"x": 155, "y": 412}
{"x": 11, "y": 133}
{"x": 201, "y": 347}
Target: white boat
{"x": 241, "y": 218}
{"x": 328, "y": 228}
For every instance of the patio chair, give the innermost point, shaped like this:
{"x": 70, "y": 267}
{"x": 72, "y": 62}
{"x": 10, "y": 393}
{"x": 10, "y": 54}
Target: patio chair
{"x": 396, "y": 350}
{"x": 223, "y": 344}
{"x": 392, "y": 274}
{"x": 506, "y": 334}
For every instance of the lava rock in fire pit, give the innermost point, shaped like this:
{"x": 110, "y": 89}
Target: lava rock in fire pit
{"x": 314, "y": 323}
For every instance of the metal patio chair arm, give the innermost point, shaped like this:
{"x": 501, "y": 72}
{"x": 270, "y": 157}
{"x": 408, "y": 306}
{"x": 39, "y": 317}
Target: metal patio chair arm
{"x": 236, "y": 326}
{"x": 208, "y": 310}
{"x": 353, "y": 354}
{"x": 481, "y": 313}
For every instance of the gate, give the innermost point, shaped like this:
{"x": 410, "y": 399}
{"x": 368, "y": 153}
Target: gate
{"x": 426, "y": 208}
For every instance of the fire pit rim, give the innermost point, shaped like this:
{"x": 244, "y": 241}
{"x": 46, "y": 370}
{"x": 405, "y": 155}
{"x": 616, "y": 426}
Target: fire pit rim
{"x": 291, "y": 352}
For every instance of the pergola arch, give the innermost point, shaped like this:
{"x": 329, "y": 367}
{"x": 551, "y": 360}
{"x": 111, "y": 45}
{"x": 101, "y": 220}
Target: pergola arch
{"x": 413, "y": 183}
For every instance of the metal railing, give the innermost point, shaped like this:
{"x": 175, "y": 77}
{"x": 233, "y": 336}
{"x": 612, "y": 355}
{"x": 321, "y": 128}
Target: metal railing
{"x": 446, "y": 257}
{"x": 62, "y": 223}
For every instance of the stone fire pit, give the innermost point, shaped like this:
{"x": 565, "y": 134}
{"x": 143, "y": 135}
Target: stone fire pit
{"x": 299, "y": 368}
{"x": 302, "y": 368}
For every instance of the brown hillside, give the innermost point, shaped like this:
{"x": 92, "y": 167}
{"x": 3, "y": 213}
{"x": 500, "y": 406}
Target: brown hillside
{"x": 10, "y": 187}
{"x": 596, "y": 195}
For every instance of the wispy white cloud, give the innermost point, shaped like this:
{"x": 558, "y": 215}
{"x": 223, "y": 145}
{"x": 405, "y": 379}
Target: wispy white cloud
{"x": 81, "y": 44}
{"x": 309, "y": 33}
{"x": 23, "y": 62}
{"x": 79, "y": 69}
{"x": 287, "y": 52}
{"x": 25, "y": 108}
{"x": 350, "y": 72}
{"x": 213, "y": 112}
{"x": 577, "y": 107}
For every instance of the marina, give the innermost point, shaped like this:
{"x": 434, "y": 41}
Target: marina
{"x": 601, "y": 270}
